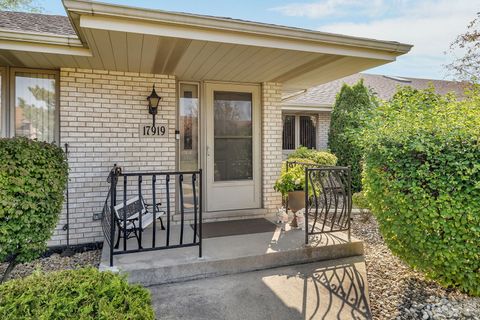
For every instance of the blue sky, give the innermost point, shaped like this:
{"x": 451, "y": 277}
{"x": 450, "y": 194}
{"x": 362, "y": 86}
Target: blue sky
{"x": 429, "y": 25}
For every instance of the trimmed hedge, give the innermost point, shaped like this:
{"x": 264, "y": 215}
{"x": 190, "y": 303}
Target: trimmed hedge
{"x": 322, "y": 158}
{"x": 74, "y": 294}
{"x": 422, "y": 180}
{"x": 353, "y": 107}
{"x": 33, "y": 177}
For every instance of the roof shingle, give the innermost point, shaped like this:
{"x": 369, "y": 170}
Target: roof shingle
{"x": 384, "y": 86}
{"x": 36, "y": 22}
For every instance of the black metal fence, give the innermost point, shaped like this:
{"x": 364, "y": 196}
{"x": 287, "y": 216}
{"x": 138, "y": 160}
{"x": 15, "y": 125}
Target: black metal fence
{"x": 328, "y": 200}
{"x": 137, "y": 202}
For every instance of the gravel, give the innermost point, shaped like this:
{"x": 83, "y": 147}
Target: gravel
{"x": 398, "y": 292}
{"x": 55, "y": 262}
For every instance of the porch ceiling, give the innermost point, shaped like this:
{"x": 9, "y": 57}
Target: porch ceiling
{"x": 194, "y": 47}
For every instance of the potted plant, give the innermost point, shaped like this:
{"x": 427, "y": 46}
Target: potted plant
{"x": 291, "y": 184}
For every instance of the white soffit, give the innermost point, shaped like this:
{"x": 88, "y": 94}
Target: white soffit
{"x": 195, "y": 47}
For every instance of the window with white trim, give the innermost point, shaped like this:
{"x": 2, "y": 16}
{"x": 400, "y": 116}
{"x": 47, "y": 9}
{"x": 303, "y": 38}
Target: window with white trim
{"x": 299, "y": 130}
{"x": 29, "y": 108}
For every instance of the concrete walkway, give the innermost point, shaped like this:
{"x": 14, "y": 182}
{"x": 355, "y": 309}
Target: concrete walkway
{"x": 333, "y": 289}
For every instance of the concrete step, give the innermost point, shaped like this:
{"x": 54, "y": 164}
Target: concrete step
{"x": 332, "y": 289}
{"x": 231, "y": 255}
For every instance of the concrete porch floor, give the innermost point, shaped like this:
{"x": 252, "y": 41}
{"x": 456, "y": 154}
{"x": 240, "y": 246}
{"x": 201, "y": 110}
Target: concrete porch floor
{"x": 226, "y": 255}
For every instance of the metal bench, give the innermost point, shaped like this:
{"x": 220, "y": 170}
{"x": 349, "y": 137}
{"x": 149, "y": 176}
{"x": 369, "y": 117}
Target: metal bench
{"x": 129, "y": 225}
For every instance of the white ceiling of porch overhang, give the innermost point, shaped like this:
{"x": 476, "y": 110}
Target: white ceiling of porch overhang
{"x": 134, "y": 40}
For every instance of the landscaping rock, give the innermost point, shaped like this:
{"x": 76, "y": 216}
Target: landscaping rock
{"x": 398, "y": 292}
{"x": 55, "y": 262}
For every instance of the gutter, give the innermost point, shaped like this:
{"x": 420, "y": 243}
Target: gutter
{"x": 306, "y": 107}
{"x": 218, "y": 23}
{"x": 12, "y": 35}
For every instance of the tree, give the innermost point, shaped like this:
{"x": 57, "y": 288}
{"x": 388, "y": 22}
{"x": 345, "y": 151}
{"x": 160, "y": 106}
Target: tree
{"x": 20, "y": 5}
{"x": 467, "y": 67}
{"x": 353, "y": 106}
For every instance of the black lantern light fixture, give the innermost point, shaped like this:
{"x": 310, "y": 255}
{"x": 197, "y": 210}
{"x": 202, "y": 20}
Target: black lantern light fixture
{"x": 153, "y": 100}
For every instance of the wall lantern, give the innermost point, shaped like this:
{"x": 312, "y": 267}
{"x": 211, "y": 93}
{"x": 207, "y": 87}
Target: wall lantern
{"x": 153, "y": 100}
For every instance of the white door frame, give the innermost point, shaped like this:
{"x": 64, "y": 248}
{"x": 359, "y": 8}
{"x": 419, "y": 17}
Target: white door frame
{"x": 214, "y": 201}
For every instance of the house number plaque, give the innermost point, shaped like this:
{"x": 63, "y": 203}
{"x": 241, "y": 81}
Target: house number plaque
{"x": 159, "y": 130}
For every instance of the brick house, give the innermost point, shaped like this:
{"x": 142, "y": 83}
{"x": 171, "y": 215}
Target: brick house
{"x": 84, "y": 79}
{"x": 306, "y": 113}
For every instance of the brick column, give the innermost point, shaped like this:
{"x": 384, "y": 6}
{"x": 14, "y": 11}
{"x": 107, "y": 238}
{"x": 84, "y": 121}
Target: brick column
{"x": 271, "y": 143}
{"x": 323, "y": 127}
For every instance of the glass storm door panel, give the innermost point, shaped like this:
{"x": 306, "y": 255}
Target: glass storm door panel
{"x": 233, "y": 147}
{"x": 232, "y": 113}
{"x": 188, "y": 144}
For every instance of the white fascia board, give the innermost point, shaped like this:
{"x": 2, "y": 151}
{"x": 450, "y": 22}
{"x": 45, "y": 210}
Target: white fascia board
{"x": 40, "y": 42}
{"x": 44, "y": 48}
{"x": 225, "y": 36}
{"x": 210, "y": 22}
{"x": 6, "y": 34}
{"x": 306, "y": 107}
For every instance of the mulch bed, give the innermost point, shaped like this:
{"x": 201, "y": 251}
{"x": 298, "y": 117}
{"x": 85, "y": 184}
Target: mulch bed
{"x": 88, "y": 255}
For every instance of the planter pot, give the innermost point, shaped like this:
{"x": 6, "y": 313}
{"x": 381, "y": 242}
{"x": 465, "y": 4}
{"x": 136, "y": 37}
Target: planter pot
{"x": 296, "y": 201}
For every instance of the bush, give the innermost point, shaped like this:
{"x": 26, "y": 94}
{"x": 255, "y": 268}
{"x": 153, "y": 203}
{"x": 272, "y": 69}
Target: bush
{"x": 360, "y": 201}
{"x": 353, "y": 107}
{"x": 74, "y": 294}
{"x": 322, "y": 158}
{"x": 33, "y": 176}
{"x": 292, "y": 179}
{"x": 422, "y": 180}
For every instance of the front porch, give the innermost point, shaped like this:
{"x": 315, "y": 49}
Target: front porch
{"x": 226, "y": 255}
{"x": 143, "y": 239}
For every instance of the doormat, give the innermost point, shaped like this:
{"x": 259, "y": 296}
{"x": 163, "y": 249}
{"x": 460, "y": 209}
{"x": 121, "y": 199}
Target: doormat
{"x": 236, "y": 227}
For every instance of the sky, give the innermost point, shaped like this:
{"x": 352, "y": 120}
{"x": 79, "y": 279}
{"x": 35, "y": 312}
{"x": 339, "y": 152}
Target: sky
{"x": 427, "y": 24}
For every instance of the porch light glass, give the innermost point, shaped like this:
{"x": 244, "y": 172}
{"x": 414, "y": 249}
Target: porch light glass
{"x": 153, "y": 100}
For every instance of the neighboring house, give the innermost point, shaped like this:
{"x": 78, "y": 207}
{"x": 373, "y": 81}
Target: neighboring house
{"x": 306, "y": 113}
{"x": 85, "y": 79}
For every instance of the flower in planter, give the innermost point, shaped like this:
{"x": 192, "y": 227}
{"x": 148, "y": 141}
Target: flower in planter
{"x": 291, "y": 180}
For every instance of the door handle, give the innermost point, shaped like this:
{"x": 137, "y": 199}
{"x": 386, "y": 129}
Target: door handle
{"x": 208, "y": 151}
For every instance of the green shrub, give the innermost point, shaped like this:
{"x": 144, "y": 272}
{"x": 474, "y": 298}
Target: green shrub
{"x": 292, "y": 179}
{"x": 352, "y": 109}
{"x": 422, "y": 180}
{"x": 322, "y": 158}
{"x": 360, "y": 201}
{"x": 33, "y": 176}
{"x": 74, "y": 294}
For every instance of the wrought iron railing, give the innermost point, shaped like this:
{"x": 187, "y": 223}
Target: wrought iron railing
{"x": 144, "y": 198}
{"x": 328, "y": 200}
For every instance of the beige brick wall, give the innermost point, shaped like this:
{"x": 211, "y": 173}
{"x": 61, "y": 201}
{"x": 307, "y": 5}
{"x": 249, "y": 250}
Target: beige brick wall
{"x": 323, "y": 126}
{"x": 272, "y": 143}
{"x": 100, "y": 117}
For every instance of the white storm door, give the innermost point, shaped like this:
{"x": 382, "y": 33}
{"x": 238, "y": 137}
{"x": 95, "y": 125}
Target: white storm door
{"x": 233, "y": 147}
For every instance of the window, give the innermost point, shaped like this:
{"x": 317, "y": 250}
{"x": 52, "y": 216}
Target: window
{"x": 188, "y": 125}
{"x": 299, "y": 130}
{"x": 308, "y": 132}
{"x": 3, "y": 99}
{"x": 30, "y": 107}
{"x": 288, "y": 133}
